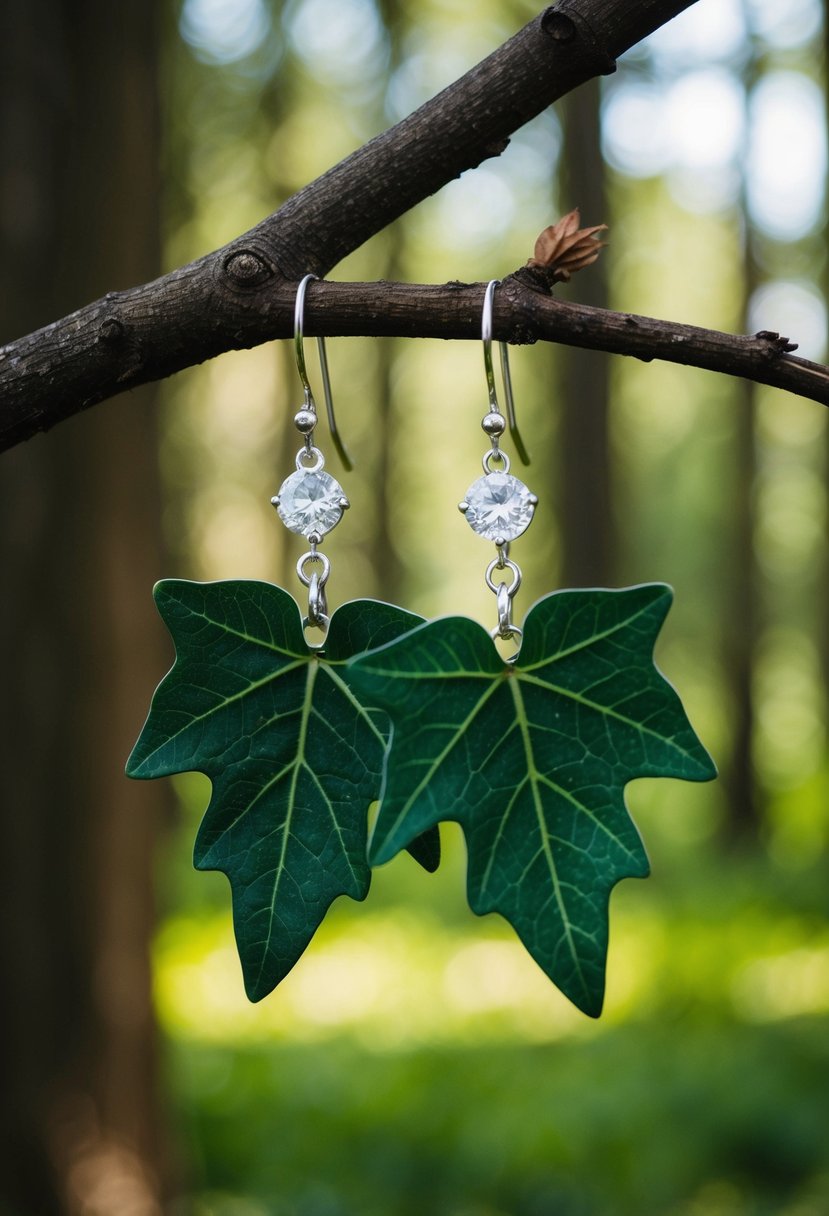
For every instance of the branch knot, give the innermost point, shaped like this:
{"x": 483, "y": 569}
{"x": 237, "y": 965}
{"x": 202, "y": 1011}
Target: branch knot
{"x": 247, "y": 269}
{"x": 111, "y": 330}
{"x": 558, "y": 25}
{"x": 565, "y": 27}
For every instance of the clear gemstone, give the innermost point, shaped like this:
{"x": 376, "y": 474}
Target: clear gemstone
{"x": 499, "y": 506}
{"x": 310, "y": 501}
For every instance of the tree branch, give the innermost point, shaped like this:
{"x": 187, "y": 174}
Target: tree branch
{"x": 523, "y": 313}
{"x": 239, "y": 296}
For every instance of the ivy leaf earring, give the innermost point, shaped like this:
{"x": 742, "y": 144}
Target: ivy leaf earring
{"x": 294, "y": 757}
{"x": 531, "y": 755}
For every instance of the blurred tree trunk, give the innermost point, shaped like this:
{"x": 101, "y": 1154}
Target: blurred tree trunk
{"x": 386, "y": 563}
{"x": 743, "y": 612}
{"x": 587, "y": 526}
{"x": 385, "y": 556}
{"x": 823, "y": 282}
{"x": 79, "y": 1126}
{"x": 741, "y": 639}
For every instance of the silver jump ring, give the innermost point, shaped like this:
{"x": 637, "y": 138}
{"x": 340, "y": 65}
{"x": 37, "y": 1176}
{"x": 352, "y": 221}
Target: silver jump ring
{"x": 304, "y": 453}
{"x": 512, "y": 587}
{"x": 321, "y": 578}
{"x": 501, "y": 457}
{"x": 515, "y": 631}
{"x": 504, "y": 603}
{"x": 317, "y": 601}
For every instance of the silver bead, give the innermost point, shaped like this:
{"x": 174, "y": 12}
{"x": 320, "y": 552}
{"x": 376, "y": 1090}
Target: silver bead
{"x": 305, "y": 421}
{"x": 493, "y": 424}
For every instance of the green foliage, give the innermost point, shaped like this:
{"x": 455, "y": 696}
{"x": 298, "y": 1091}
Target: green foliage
{"x": 294, "y": 759}
{"x": 624, "y": 1124}
{"x": 532, "y": 759}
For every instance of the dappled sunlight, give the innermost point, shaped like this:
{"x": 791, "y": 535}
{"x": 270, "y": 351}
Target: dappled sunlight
{"x": 692, "y": 130}
{"x": 476, "y": 209}
{"x": 692, "y": 121}
{"x": 387, "y": 980}
{"x": 786, "y": 23}
{"x": 709, "y": 30}
{"x": 789, "y": 532}
{"x": 788, "y": 985}
{"x": 633, "y": 140}
{"x": 342, "y": 39}
{"x": 396, "y": 980}
{"x": 787, "y": 154}
{"x": 790, "y": 708}
{"x": 222, "y": 31}
{"x": 798, "y": 822}
{"x": 705, "y": 120}
{"x": 227, "y": 424}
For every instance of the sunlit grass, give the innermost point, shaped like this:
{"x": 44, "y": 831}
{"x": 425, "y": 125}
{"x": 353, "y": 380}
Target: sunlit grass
{"x": 390, "y": 981}
{"x": 398, "y": 977}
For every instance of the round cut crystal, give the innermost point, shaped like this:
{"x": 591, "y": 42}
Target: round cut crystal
{"x": 310, "y": 501}
{"x": 498, "y": 506}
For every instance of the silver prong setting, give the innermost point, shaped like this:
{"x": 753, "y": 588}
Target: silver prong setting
{"x": 309, "y": 500}
{"x": 463, "y": 507}
{"x": 498, "y": 506}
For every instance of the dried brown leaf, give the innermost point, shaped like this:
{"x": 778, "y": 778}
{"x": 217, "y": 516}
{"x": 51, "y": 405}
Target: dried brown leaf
{"x": 564, "y": 247}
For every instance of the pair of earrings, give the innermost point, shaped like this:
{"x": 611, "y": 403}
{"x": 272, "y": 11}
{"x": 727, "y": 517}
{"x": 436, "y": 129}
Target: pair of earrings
{"x": 529, "y": 754}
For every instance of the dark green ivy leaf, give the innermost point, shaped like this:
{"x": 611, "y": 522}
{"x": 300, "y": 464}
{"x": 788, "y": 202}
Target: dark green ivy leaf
{"x": 531, "y": 758}
{"x": 294, "y": 758}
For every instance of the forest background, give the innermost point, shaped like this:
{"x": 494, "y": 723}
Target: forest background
{"x": 416, "y": 1060}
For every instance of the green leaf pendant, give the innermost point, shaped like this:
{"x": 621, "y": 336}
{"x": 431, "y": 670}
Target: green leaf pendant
{"x": 294, "y": 758}
{"x": 531, "y": 758}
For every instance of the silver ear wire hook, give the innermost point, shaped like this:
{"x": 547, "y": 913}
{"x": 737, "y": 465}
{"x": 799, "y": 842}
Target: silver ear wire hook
{"x": 486, "y": 337}
{"x": 310, "y": 403}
